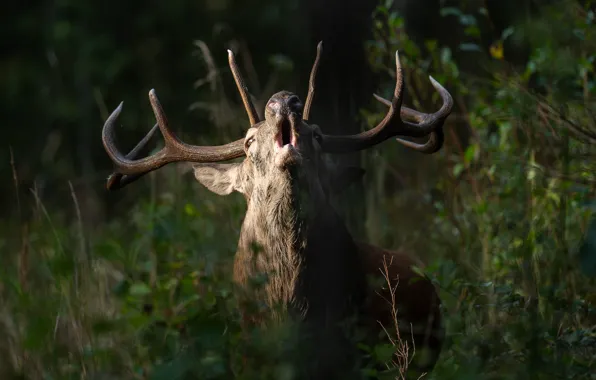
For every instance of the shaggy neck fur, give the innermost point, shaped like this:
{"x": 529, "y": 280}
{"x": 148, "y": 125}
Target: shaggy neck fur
{"x": 305, "y": 250}
{"x": 313, "y": 267}
{"x": 276, "y": 222}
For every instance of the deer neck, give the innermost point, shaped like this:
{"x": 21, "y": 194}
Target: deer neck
{"x": 301, "y": 244}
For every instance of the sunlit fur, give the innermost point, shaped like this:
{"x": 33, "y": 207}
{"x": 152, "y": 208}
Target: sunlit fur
{"x": 316, "y": 272}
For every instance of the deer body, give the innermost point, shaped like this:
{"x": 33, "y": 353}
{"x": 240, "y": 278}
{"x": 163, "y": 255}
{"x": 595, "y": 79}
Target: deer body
{"x": 316, "y": 272}
{"x": 320, "y": 273}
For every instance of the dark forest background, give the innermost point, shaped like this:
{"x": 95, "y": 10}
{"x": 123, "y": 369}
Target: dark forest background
{"x": 503, "y": 215}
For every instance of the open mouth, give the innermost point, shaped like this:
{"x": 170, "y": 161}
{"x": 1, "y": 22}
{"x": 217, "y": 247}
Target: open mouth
{"x": 285, "y": 136}
{"x": 286, "y": 145}
{"x": 286, "y": 133}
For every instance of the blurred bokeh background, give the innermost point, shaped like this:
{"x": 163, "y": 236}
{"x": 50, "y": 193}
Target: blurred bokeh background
{"x": 502, "y": 214}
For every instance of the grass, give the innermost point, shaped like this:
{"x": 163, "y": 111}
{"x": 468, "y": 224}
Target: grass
{"x": 504, "y": 222}
{"x": 75, "y": 301}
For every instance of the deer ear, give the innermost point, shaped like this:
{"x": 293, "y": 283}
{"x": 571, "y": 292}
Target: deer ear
{"x": 343, "y": 177}
{"x": 222, "y": 179}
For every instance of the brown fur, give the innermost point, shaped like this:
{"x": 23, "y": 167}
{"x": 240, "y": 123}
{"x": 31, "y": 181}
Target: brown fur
{"x": 418, "y": 304}
{"x": 316, "y": 272}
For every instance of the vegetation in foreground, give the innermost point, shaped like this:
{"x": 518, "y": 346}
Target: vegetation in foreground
{"x": 504, "y": 220}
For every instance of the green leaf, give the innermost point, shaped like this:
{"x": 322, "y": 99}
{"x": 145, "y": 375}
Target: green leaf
{"x": 384, "y": 352}
{"x": 450, "y": 11}
{"x": 467, "y": 20}
{"x": 472, "y": 31}
{"x": 507, "y": 32}
{"x": 470, "y": 153}
{"x": 190, "y": 209}
{"x": 469, "y": 47}
{"x": 446, "y": 55}
{"x": 457, "y": 169}
{"x": 139, "y": 289}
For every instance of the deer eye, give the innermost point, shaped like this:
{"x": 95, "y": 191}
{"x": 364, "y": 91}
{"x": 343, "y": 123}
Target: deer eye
{"x": 318, "y": 137}
{"x": 249, "y": 142}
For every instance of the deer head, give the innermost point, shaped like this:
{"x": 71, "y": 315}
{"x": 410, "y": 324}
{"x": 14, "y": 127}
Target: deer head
{"x": 284, "y": 176}
{"x": 312, "y": 260}
{"x": 282, "y": 143}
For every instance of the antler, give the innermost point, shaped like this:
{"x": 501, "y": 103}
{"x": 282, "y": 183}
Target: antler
{"x": 311, "y": 83}
{"x": 393, "y": 125}
{"x": 128, "y": 169}
{"x": 253, "y": 116}
{"x": 435, "y": 138}
{"x": 117, "y": 180}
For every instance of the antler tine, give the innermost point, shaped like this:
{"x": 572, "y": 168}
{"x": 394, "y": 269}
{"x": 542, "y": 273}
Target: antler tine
{"x": 129, "y": 169}
{"x": 311, "y": 82}
{"x": 117, "y": 180}
{"x": 253, "y": 117}
{"x": 435, "y": 139}
{"x": 393, "y": 125}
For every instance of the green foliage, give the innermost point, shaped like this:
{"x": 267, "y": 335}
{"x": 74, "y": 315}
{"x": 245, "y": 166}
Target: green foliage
{"x": 155, "y": 301}
{"x": 512, "y": 240}
{"x": 503, "y": 215}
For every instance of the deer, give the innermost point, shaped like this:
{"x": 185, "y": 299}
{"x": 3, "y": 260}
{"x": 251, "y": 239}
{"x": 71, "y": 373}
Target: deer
{"x": 316, "y": 271}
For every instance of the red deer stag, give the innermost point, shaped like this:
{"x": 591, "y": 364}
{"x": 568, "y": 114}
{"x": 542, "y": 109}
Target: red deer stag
{"x": 315, "y": 269}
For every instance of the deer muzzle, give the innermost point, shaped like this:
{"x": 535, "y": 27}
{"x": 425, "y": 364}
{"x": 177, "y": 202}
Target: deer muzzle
{"x": 286, "y": 141}
{"x": 284, "y": 112}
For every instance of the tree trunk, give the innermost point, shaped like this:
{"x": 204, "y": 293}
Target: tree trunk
{"x": 345, "y": 83}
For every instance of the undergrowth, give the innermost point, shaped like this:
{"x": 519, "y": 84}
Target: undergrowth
{"x": 503, "y": 217}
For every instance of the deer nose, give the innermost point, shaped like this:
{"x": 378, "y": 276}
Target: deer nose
{"x": 294, "y": 104}
{"x": 285, "y": 104}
